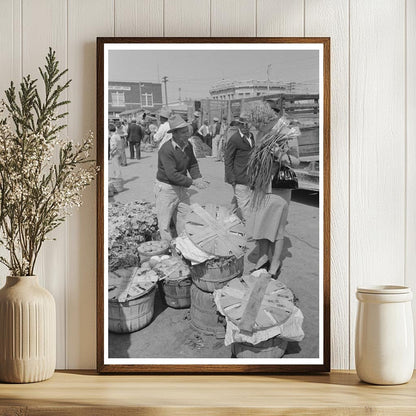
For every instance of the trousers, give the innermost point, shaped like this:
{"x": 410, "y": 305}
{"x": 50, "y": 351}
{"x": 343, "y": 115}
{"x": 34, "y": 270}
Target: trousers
{"x": 133, "y": 147}
{"x": 215, "y": 142}
{"x": 241, "y": 200}
{"x": 172, "y": 203}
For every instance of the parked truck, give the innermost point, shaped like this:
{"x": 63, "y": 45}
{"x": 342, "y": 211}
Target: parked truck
{"x": 302, "y": 107}
{"x": 305, "y": 109}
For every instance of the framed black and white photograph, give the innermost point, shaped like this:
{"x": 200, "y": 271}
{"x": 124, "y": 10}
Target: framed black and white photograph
{"x": 213, "y": 247}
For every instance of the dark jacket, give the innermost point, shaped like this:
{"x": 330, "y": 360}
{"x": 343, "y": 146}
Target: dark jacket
{"x": 217, "y": 128}
{"x": 134, "y": 133}
{"x": 173, "y": 165}
{"x": 195, "y": 127}
{"x": 237, "y": 154}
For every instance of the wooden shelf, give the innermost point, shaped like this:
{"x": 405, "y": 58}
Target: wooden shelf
{"x": 86, "y": 393}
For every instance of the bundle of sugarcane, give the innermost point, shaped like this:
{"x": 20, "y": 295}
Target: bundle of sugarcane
{"x": 267, "y": 152}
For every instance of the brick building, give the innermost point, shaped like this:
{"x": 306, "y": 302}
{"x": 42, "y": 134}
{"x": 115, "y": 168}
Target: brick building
{"x": 133, "y": 97}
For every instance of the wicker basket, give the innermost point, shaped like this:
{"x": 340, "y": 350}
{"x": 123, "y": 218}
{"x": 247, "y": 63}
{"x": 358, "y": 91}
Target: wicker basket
{"x": 132, "y": 315}
{"x": 209, "y": 276}
{"x": 272, "y": 348}
{"x": 204, "y": 315}
{"x": 176, "y": 293}
{"x": 145, "y": 255}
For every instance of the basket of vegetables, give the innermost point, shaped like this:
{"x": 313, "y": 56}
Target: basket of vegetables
{"x": 131, "y": 298}
{"x": 152, "y": 248}
{"x": 174, "y": 282}
{"x": 128, "y": 226}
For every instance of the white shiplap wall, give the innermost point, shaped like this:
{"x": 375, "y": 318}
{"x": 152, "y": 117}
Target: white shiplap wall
{"x": 373, "y": 129}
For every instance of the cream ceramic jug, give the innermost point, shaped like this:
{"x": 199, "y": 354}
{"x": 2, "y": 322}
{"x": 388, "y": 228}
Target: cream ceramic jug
{"x": 384, "y": 341}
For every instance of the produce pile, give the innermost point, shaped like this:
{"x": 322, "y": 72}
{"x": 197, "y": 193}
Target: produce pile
{"x": 151, "y": 248}
{"x": 170, "y": 268}
{"x": 221, "y": 262}
{"x": 129, "y": 225}
{"x": 131, "y": 283}
{"x": 201, "y": 149}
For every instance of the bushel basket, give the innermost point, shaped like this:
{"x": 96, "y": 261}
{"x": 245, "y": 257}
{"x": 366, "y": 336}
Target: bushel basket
{"x": 131, "y": 315}
{"x": 176, "y": 293}
{"x": 214, "y": 274}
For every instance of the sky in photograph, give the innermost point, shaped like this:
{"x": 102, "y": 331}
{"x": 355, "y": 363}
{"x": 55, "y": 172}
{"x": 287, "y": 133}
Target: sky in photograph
{"x": 196, "y": 71}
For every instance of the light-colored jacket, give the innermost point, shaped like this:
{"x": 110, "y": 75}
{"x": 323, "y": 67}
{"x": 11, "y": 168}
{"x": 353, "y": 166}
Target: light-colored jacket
{"x": 116, "y": 145}
{"x": 162, "y": 135}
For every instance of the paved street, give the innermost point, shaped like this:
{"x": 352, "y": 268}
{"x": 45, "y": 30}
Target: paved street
{"x": 169, "y": 334}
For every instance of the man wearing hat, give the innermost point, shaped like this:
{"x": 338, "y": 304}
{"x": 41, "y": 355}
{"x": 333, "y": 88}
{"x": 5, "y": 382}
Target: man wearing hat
{"x": 205, "y": 133}
{"x": 237, "y": 153}
{"x": 122, "y": 133}
{"x": 223, "y": 138}
{"x": 134, "y": 137}
{"x": 162, "y": 135}
{"x": 175, "y": 160}
{"x": 195, "y": 124}
{"x": 216, "y": 127}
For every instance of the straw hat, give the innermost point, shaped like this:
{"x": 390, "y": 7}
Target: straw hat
{"x": 238, "y": 121}
{"x": 164, "y": 112}
{"x": 176, "y": 122}
{"x": 216, "y": 119}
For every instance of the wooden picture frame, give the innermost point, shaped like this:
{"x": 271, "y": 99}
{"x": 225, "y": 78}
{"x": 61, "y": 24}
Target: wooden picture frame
{"x": 106, "y": 364}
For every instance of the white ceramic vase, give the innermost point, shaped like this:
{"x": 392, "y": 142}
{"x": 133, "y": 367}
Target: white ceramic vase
{"x": 27, "y": 331}
{"x": 384, "y": 341}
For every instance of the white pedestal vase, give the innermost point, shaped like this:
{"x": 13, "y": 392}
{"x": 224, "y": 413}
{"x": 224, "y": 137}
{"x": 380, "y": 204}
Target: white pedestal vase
{"x": 27, "y": 331}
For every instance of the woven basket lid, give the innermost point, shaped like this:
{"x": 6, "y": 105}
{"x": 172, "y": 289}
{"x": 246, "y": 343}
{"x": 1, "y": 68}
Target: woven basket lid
{"x": 172, "y": 269}
{"x": 276, "y": 306}
{"x": 216, "y": 230}
{"x": 122, "y": 282}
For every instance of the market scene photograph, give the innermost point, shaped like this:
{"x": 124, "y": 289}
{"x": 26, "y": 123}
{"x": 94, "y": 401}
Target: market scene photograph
{"x": 213, "y": 212}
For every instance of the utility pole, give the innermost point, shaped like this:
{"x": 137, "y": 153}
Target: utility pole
{"x": 140, "y": 93}
{"x": 180, "y": 98}
{"x": 165, "y": 80}
{"x": 268, "y": 77}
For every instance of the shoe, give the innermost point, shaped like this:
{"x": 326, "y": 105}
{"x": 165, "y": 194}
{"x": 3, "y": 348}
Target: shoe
{"x": 262, "y": 263}
{"x": 277, "y": 273}
{"x": 264, "y": 266}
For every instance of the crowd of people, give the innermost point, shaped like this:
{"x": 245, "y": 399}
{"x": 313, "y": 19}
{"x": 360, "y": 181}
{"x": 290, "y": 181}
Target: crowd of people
{"x": 235, "y": 144}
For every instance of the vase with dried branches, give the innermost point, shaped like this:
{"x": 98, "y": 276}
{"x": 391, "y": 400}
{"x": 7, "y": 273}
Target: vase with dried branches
{"x": 42, "y": 176}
